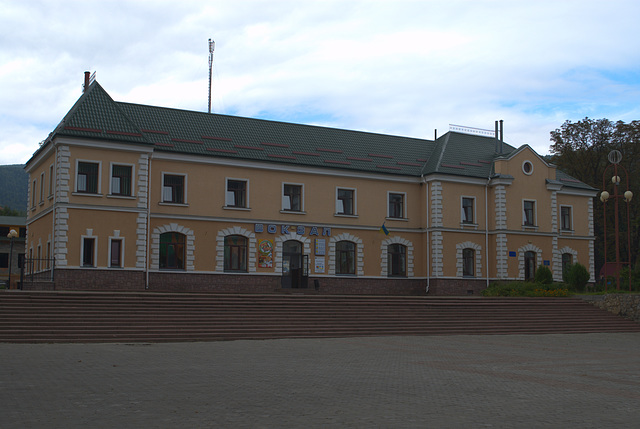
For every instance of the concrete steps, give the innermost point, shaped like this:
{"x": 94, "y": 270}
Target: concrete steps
{"x": 32, "y": 317}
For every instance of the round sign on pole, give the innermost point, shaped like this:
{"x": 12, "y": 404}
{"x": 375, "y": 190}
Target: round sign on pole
{"x": 615, "y": 157}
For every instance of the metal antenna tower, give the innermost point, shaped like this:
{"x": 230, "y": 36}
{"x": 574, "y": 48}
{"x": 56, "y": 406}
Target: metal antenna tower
{"x": 212, "y": 46}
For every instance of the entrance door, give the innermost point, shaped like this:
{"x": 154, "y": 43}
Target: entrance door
{"x": 294, "y": 265}
{"x": 529, "y": 265}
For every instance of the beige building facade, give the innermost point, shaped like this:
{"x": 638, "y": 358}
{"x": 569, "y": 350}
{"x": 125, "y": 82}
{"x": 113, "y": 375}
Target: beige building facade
{"x": 133, "y": 197}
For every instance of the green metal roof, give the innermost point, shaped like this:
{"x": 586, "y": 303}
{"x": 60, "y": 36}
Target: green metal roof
{"x": 97, "y": 115}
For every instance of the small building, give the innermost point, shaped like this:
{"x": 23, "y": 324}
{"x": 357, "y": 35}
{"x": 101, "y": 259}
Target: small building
{"x": 135, "y": 197}
{"x": 11, "y": 250}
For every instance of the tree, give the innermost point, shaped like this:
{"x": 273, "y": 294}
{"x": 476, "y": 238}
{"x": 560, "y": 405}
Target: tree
{"x": 7, "y": 211}
{"x": 580, "y": 149}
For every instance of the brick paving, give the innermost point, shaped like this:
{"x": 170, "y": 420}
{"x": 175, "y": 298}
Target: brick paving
{"x": 532, "y": 381}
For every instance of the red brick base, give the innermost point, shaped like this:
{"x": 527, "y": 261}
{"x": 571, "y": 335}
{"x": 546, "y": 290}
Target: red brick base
{"x": 456, "y": 287}
{"x": 120, "y": 280}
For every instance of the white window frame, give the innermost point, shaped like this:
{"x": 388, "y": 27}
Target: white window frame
{"x": 227, "y": 195}
{"x": 570, "y": 229}
{"x": 42, "y": 188}
{"x": 91, "y": 161}
{"x": 535, "y": 213}
{"x": 282, "y": 207}
{"x": 339, "y": 202}
{"x": 404, "y": 205}
{"x": 95, "y": 250}
{"x": 462, "y": 220}
{"x": 51, "y": 180}
{"x": 525, "y": 162}
{"x": 133, "y": 175}
{"x": 121, "y": 239}
{"x": 34, "y": 187}
{"x": 162, "y": 201}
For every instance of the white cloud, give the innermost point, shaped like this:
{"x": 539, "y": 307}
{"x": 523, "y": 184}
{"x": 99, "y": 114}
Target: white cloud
{"x": 401, "y": 67}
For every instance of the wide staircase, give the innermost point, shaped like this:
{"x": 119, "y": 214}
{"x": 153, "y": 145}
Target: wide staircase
{"x": 36, "y": 317}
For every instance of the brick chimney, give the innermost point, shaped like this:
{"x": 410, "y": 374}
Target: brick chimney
{"x": 87, "y": 78}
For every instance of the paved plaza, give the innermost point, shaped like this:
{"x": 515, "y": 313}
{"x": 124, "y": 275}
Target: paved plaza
{"x": 511, "y": 381}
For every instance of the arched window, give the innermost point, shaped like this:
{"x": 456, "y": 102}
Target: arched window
{"x": 529, "y": 265}
{"x": 397, "y": 260}
{"x": 345, "y": 257}
{"x": 172, "y": 251}
{"x": 468, "y": 262}
{"x": 567, "y": 261}
{"x": 235, "y": 253}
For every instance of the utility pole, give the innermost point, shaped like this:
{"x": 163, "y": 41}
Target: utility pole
{"x": 212, "y": 46}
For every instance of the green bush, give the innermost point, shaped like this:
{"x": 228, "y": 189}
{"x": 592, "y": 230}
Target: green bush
{"x": 577, "y": 276}
{"x": 543, "y": 275}
{"x": 526, "y": 289}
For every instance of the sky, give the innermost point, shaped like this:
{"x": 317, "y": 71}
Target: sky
{"x": 396, "y": 67}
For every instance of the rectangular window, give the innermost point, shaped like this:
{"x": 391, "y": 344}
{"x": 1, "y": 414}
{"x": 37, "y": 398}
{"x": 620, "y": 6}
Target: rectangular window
{"x": 4, "y": 260}
{"x": 88, "y": 251}
{"x": 51, "y": 180}
{"x": 236, "y": 194}
{"x": 565, "y": 218}
{"x": 115, "y": 253}
{"x": 121, "y": 180}
{"x": 396, "y": 205}
{"x": 33, "y": 195}
{"x": 292, "y": 198}
{"x": 345, "y": 204}
{"x": 87, "y": 178}
{"x": 468, "y": 211}
{"x": 42, "y": 188}
{"x": 529, "y": 213}
{"x": 173, "y": 188}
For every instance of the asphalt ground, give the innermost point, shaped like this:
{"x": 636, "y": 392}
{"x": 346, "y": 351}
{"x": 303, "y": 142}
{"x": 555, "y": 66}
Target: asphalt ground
{"x": 505, "y": 381}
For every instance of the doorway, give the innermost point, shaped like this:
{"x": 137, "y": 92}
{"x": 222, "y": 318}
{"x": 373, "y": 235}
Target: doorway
{"x": 295, "y": 266}
{"x": 529, "y": 265}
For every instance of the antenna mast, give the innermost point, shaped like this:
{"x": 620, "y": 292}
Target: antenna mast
{"x": 212, "y": 46}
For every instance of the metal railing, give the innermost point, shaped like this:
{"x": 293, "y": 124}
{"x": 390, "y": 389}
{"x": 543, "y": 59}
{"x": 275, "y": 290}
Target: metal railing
{"x": 37, "y": 270}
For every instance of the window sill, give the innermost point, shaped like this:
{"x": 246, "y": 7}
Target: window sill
{"x": 346, "y": 215}
{"x": 86, "y": 194}
{"x": 164, "y": 203}
{"x": 567, "y": 232}
{"x": 242, "y": 209}
{"x": 529, "y": 227}
{"x": 468, "y": 225}
{"x": 402, "y": 219}
{"x": 292, "y": 212}
{"x": 124, "y": 197}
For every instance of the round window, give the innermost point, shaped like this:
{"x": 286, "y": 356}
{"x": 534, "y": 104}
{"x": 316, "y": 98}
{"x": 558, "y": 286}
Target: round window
{"x": 527, "y": 167}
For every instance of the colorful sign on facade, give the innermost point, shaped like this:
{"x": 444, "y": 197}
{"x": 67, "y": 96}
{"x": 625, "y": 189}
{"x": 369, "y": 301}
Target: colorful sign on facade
{"x": 265, "y": 254}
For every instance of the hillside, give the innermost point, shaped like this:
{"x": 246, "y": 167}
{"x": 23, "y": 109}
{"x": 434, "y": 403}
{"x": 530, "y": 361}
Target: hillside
{"x": 14, "y": 183}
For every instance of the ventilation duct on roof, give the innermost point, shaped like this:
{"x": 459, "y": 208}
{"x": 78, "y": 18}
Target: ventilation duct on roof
{"x": 499, "y": 135}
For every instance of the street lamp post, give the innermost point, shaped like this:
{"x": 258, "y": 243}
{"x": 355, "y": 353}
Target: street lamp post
{"x": 11, "y": 235}
{"x": 614, "y": 158}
